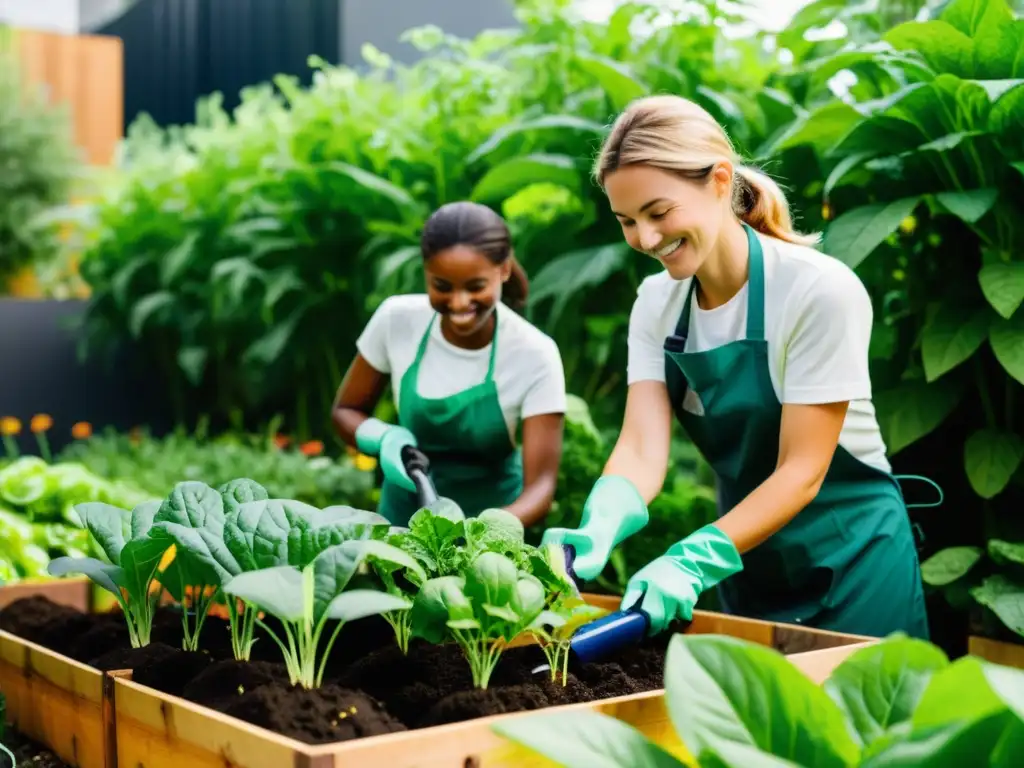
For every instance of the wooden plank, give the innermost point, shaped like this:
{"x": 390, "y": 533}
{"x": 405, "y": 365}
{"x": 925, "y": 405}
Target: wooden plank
{"x": 996, "y": 651}
{"x": 72, "y": 592}
{"x": 85, "y": 72}
{"x": 56, "y": 701}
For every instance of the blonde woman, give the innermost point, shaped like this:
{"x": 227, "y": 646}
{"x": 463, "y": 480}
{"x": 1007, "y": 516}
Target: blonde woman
{"x": 758, "y": 344}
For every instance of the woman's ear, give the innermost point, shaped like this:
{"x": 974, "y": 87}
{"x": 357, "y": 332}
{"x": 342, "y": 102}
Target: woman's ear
{"x": 722, "y": 178}
{"x": 506, "y": 270}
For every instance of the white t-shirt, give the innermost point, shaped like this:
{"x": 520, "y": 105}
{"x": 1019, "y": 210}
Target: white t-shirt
{"x": 527, "y": 370}
{"x": 818, "y": 319}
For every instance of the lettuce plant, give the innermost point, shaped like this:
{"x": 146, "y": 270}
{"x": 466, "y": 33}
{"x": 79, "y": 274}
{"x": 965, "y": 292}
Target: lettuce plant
{"x": 133, "y": 560}
{"x": 445, "y": 543}
{"x": 737, "y": 704}
{"x": 482, "y": 610}
{"x": 222, "y": 533}
{"x": 305, "y": 599}
{"x": 555, "y": 642}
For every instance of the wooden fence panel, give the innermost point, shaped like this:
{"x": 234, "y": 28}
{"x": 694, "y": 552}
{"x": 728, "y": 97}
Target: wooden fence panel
{"x": 87, "y": 73}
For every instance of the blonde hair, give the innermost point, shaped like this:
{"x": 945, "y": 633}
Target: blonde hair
{"x": 676, "y": 135}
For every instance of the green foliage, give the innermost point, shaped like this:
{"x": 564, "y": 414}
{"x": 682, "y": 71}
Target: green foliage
{"x": 734, "y": 703}
{"x": 156, "y": 464}
{"x": 268, "y": 236}
{"x": 40, "y": 164}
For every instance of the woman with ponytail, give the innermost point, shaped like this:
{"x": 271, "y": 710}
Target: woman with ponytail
{"x": 466, "y": 371}
{"x": 758, "y": 344}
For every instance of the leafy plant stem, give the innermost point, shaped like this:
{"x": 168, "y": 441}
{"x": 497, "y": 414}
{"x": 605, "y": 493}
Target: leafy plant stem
{"x": 139, "y": 618}
{"x": 482, "y": 653}
{"x": 986, "y": 397}
{"x": 243, "y": 623}
{"x": 401, "y": 622}
{"x": 201, "y": 607}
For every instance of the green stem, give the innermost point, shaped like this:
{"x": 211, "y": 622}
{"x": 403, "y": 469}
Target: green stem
{"x": 44, "y": 447}
{"x": 986, "y": 398}
{"x": 327, "y": 652}
{"x": 401, "y": 623}
{"x": 11, "y": 447}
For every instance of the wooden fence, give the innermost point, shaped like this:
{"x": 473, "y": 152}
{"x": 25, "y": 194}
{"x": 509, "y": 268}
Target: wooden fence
{"x": 87, "y": 73}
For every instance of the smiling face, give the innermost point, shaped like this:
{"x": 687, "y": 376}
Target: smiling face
{"x": 464, "y": 286}
{"x": 672, "y": 219}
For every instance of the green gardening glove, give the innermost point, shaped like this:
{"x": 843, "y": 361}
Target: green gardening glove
{"x": 386, "y": 441}
{"x": 613, "y": 512}
{"x": 668, "y": 587}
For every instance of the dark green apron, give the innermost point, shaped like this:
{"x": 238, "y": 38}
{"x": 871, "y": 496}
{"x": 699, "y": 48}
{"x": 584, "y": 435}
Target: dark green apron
{"x": 473, "y": 460}
{"x": 847, "y": 562}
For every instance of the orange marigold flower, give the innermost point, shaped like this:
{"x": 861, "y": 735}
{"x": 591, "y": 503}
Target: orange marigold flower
{"x": 282, "y": 441}
{"x": 135, "y": 435}
{"x": 81, "y": 430}
{"x": 312, "y": 448}
{"x": 365, "y": 463}
{"x": 10, "y": 426}
{"x": 41, "y": 422}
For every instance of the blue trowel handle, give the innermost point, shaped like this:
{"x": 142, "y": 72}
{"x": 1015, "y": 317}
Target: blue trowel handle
{"x": 417, "y": 466}
{"x": 609, "y": 634}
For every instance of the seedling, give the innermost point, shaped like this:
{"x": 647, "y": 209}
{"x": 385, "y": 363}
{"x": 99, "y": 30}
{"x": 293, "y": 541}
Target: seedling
{"x": 304, "y": 599}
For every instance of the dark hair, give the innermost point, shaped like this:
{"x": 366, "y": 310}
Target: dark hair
{"x": 482, "y": 229}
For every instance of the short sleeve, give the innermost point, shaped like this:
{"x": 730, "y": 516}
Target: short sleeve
{"x": 373, "y": 341}
{"x": 547, "y": 391}
{"x": 646, "y": 354}
{"x": 827, "y": 352}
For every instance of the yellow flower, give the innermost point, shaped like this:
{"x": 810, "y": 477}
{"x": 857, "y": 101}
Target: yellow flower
{"x": 10, "y": 426}
{"x": 365, "y": 463}
{"x": 908, "y": 225}
{"x": 41, "y": 422}
{"x": 826, "y": 211}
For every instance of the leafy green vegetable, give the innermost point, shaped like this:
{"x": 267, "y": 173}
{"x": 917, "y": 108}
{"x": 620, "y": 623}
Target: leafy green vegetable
{"x": 736, "y": 704}
{"x": 482, "y": 610}
{"x": 304, "y": 599}
{"x": 133, "y": 560}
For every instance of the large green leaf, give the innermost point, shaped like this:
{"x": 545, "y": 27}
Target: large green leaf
{"x": 943, "y": 46}
{"x": 545, "y": 123}
{"x": 506, "y": 179}
{"x": 1003, "y": 552}
{"x": 615, "y": 78}
{"x": 956, "y": 744}
{"x": 104, "y": 575}
{"x": 1005, "y": 599}
{"x": 585, "y": 740}
{"x": 278, "y": 590}
{"x": 567, "y": 276}
{"x": 852, "y": 237}
{"x": 949, "y": 565}
{"x": 374, "y": 185}
{"x": 1003, "y": 286}
{"x": 977, "y": 17}
{"x": 991, "y": 457}
{"x": 148, "y": 308}
{"x": 334, "y": 567}
{"x": 952, "y": 337}
{"x": 193, "y": 517}
{"x": 910, "y": 411}
{"x": 1007, "y": 340}
{"x": 969, "y": 205}
{"x": 108, "y": 525}
{"x": 821, "y": 128}
{"x": 879, "y": 687}
{"x": 720, "y": 690}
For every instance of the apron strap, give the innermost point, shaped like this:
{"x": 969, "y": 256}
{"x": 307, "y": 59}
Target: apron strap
{"x": 494, "y": 347}
{"x": 755, "y": 296}
{"x": 916, "y": 527}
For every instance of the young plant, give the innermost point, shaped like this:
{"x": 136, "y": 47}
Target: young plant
{"x": 134, "y": 557}
{"x": 555, "y": 642}
{"x": 482, "y": 610}
{"x": 305, "y": 599}
{"x": 736, "y": 704}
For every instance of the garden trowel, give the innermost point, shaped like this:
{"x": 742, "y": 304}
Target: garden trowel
{"x": 417, "y": 466}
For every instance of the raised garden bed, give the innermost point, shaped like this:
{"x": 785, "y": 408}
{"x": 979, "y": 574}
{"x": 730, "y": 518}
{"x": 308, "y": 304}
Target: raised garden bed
{"x": 996, "y": 651}
{"x": 208, "y": 709}
{"x": 74, "y": 592}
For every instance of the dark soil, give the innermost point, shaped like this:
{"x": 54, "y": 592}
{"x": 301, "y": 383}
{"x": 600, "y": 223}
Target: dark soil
{"x": 369, "y": 688}
{"x": 27, "y": 754}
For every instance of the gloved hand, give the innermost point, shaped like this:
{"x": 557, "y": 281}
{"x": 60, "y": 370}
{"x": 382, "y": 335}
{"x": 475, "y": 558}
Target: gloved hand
{"x": 668, "y": 587}
{"x": 386, "y": 441}
{"x": 613, "y": 512}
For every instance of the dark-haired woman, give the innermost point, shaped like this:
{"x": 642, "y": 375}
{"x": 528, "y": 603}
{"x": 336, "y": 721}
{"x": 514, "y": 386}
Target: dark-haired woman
{"x": 466, "y": 370}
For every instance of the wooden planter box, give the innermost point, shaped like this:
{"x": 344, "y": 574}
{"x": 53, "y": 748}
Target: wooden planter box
{"x": 154, "y": 730}
{"x": 75, "y": 592}
{"x": 62, "y": 704}
{"x": 996, "y": 651}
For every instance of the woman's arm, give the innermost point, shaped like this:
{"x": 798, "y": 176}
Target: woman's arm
{"x": 807, "y": 442}
{"x": 357, "y": 396}
{"x": 542, "y": 453}
{"x": 641, "y": 452}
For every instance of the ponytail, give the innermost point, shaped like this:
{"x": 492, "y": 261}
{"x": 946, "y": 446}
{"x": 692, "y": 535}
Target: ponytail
{"x": 762, "y": 204}
{"x": 517, "y": 287}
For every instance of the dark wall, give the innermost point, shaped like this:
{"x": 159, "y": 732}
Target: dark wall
{"x": 178, "y": 50}
{"x": 40, "y": 373}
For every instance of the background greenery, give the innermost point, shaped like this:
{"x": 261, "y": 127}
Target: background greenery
{"x": 243, "y": 254}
